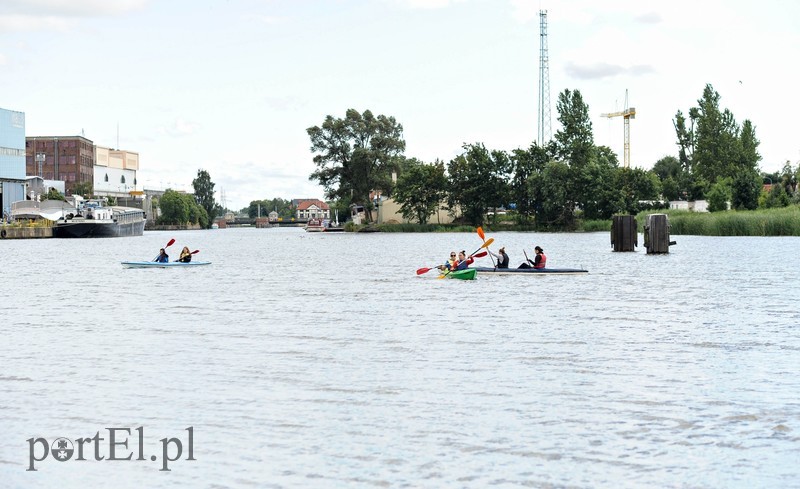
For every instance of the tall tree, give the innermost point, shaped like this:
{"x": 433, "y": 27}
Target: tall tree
{"x": 420, "y": 189}
{"x": 204, "y": 195}
{"x": 745, "y": 190}
{"x": 528, "y": 170}
{"x": 575, "y": 140}
{"x": 478, "y": 181}
{"x": 575, "y": 146}
{"x": 356, "y": 155}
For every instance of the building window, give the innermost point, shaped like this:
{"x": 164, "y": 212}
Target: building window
{"x": 122, "y": 179}
{"x": 106, "y": 177}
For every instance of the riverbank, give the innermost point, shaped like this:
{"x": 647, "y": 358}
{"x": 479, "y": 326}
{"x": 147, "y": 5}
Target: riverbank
{"x": 784, "y": 221}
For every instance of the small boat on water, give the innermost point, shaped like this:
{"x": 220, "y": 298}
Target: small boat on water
{"x": 530, "y": 271}
{"x": 94, "y": 219}
{"x": 314, "y": 225}
{"x": 466, "y": 274}
{"x": 172, "y": 264}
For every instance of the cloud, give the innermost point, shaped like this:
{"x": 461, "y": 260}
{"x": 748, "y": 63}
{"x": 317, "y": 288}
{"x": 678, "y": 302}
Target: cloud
{"x": 265, "y": 19}
{"x": 524, "y": 10}
{"x": 25, "y": 23}
{"x": 428, "y": 4}
{"x": 598, "y": 71}
{"x": 649, "y": 18}
{"x": 69, "y": 8}
{"x": 58, "y": 15}
{"x": 180, "y": 128}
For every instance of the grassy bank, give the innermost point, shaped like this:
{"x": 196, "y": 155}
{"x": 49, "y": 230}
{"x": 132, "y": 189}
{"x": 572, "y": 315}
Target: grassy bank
{"x": 783, "y": 221}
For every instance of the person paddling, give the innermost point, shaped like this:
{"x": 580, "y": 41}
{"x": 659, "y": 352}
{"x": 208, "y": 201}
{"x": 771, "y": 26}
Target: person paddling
{"x": 162, "y": 257}
{"x": 463, "y": 260}
{"x": 450, "y": 264}
{"x": 539, "y": 262}
{"x": 186, "y": 255}
{"x": 502, "y": 258}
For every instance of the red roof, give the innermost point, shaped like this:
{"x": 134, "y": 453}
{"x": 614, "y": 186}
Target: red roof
{"x": 305, "y": 204}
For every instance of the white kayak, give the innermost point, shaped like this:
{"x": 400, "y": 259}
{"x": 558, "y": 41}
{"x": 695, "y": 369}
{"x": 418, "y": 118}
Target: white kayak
{"x": 155, "y": 264}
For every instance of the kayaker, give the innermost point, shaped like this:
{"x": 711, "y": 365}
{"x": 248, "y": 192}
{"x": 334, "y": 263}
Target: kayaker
{"x": 539, "y": 262}
{"x": 502, "y": 258}
{"x": 186, "y": 255}
{"x": 463, "y": 260}
{"x": 162, "y": 257}
{"x": 450, "y": 263}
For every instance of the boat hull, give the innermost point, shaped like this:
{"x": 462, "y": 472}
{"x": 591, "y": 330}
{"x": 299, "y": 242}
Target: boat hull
{"x": 531, "y": 271}
{"x": 173, "y": 264}
{"x": 97, "y": 229}
{"x": 468, "y": 274}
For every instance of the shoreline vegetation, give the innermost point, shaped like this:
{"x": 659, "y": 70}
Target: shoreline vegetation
{"x": 783, "y": 221}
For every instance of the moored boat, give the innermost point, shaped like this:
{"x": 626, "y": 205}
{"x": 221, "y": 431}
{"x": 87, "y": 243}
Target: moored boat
{"x": 155, "y": 264}
{"x": 95, "y": 220}
{"x": 530, "y": 271}
{"x": 314, "y": 225}
{"x": 466, "y": 274}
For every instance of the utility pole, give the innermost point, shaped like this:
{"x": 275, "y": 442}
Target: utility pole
{"x": 545, "y": 126}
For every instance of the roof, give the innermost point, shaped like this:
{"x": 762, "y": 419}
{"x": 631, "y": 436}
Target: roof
{"x": 306, "y": 203}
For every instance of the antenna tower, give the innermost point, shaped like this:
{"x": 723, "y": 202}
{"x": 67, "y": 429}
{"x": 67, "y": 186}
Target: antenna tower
{"x": 545, "y": 127}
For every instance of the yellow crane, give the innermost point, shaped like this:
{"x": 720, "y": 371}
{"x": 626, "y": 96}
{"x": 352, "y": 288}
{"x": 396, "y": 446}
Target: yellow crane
{"x": 627, "y": 114}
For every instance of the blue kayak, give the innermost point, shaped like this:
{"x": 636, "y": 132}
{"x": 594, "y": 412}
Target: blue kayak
{"x": 155, "y": 264}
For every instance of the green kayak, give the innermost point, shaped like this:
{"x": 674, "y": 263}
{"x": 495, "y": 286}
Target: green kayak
{"x": 468, "y": 274}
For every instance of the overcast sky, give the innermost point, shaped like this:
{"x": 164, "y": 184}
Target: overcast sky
{"x": 231, "y": 86}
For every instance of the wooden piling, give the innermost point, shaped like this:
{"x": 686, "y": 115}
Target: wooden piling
{"x": 656, "y": 234}
{"x": 624, "y": 235}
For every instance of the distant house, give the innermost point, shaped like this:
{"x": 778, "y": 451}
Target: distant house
{"x": 691, "y": 205}
{"x": 311, "y": 209}
{"x": 273, "y": 216}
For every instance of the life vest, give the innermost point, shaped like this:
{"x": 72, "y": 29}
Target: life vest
{"x": 503, "y": 261}
{"x": 541, "y": 263}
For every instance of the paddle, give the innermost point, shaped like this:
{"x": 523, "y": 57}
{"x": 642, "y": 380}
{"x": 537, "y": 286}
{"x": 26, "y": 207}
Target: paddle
{"x": 420, "y": 271}
{"x": 192, "y": 253}
{"x": 169, "y": 243}
{"x": 484, "y": 245}
{"x": 483, "y": 237}
{"x": 528, "y": 260}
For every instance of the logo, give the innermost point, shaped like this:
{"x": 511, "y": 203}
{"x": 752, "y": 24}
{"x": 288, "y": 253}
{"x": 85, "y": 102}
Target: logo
{"x": 115, "y": 446}
{"x": 62, "y": 449}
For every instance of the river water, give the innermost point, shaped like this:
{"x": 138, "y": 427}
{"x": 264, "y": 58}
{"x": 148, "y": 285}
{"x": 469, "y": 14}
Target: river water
{"x": 322, "y": 360}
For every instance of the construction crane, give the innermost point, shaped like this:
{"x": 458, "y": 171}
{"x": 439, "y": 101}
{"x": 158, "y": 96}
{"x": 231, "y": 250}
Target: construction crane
{"x": 627, "y": 114}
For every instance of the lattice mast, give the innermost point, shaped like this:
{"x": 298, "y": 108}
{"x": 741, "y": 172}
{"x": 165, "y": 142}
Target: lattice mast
{"x": 544, "y": 124}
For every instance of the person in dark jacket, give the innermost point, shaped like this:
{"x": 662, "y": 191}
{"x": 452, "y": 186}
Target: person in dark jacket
{"x": 162, "y": 257}
{"x": 539, "y": 262}
{"x": 502, "y": 258}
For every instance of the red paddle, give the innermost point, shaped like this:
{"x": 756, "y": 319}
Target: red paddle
{"x": 420, "y": 271}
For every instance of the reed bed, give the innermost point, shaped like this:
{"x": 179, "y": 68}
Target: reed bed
{"x": 763, "y": 222}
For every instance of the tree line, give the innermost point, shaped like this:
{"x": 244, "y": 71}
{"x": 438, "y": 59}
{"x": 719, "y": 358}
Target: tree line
{"x": 198, "y": 208}
{"x": 553, "y": 184}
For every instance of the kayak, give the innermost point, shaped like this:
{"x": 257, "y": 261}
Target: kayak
{"x": 530, "y": 271}
{"x": 467, "y": 274}
{"x": 155, "y": 264}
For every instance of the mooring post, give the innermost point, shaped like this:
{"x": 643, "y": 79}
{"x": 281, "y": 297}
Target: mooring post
{"x": 656, "y": 233}
{"x": 624, "y": 234}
